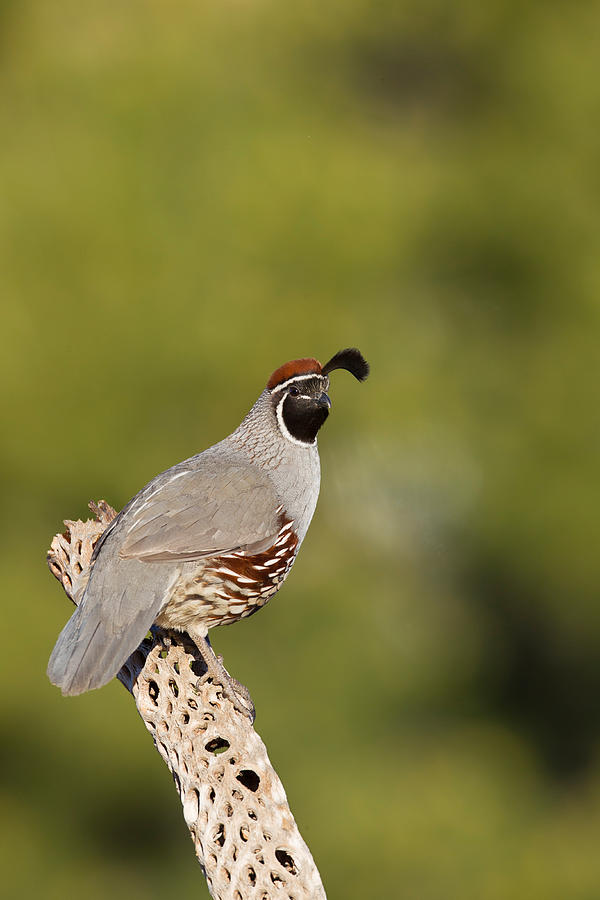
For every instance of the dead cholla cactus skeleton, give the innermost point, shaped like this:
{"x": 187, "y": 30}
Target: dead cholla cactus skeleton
{"x": 234, "y": 804}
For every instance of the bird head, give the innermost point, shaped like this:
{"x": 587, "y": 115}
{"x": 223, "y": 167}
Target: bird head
{"x": 299, "y": 392}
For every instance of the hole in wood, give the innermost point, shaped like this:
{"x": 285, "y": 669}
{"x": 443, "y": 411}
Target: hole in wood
{"x": 249, "y": 779}
{"x": 198, "y": 667}
{"x": 217, "y": 745}
{"x": 287, "y": 861}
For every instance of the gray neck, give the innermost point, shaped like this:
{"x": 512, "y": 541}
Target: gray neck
{"x": 295, "y": 469}
{"x": 260, "y": 437}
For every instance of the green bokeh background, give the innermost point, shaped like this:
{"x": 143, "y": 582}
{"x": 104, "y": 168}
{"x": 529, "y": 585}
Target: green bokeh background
{"x": 193, "y": 193}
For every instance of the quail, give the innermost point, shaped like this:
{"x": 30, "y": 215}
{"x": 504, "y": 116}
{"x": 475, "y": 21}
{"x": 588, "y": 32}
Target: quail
{"x": 210, "y": 540}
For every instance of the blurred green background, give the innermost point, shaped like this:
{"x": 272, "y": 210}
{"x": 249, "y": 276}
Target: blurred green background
{"x": 193, "y": 193}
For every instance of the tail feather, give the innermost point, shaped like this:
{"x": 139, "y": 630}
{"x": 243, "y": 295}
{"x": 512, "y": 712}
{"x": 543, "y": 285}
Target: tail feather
{"x": 88, "y": 653}
{"x": 121, "y": 601}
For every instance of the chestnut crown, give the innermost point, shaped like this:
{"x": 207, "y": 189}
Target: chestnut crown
{"x": 350, "y": 359}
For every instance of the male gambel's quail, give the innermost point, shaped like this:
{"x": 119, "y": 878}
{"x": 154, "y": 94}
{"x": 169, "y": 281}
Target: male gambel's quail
{"x": 210, "y": 540}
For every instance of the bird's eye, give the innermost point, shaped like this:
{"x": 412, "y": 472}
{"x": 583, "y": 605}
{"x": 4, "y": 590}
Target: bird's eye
{"x": 294, "y": 392}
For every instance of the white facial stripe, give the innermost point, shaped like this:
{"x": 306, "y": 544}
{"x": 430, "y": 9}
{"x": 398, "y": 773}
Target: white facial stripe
{"x": 284, "y": 430}
{"x": 284, "y": 384}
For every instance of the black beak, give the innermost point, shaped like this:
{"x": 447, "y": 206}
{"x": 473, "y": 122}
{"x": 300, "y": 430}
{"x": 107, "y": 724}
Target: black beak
{"x": 324, "y": 402}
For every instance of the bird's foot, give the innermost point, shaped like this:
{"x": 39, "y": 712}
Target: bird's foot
{"x": 236, "y": 692}
{"x": 233, "y": 690}
{"x": 242, "y": 692}
{"x": 238, "y": 687}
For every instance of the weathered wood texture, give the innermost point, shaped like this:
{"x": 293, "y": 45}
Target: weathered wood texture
{"x": 234, "y": 804}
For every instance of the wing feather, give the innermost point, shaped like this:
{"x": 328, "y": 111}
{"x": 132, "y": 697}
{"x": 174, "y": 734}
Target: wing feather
{"x": 203, "y": 510}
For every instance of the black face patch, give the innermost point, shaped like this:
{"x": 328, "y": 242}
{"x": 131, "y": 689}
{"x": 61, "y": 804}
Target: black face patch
{"x": 303, "y": 416}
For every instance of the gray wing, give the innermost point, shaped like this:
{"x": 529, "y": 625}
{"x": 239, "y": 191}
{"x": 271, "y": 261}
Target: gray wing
{"x": 193, "y": 510}
{"x": 199, "y": 511}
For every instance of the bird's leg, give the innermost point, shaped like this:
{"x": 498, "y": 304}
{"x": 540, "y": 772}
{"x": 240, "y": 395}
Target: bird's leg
{"x": 236, "y": 692}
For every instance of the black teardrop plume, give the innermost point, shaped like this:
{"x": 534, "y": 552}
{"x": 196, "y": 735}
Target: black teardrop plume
{"x": 350, "y": 359}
